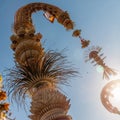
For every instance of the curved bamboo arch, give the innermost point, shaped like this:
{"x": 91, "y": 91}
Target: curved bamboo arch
{"x": 25, "y": 42}
{"x": 23, "y": 21}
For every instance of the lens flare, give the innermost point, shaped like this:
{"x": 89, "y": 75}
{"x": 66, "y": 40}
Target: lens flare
{"x": 100, "y": 69}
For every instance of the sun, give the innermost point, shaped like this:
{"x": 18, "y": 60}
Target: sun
{"x": 116, "y": 94}
{"x": 110, "y": 96}
{"x": 115, "y": 100}
{"x": 116, "y": 91}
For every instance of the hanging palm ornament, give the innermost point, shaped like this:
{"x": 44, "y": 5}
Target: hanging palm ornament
{"x": 38, "y": 73}
{"x": 84, "y": 43}
{"x": 94, "y": 55}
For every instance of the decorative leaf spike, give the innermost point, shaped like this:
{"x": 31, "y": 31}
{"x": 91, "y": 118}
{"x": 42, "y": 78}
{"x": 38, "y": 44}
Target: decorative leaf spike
{"x": 93, "y": 55}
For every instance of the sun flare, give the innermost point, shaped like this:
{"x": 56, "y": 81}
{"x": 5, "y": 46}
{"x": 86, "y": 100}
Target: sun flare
{"x": 110, "y": 96}
{"x": 115, "y": 100}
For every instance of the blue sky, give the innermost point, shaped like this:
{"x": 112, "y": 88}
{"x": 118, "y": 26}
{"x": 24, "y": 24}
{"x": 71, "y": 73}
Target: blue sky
{"x": 100, "y": 23}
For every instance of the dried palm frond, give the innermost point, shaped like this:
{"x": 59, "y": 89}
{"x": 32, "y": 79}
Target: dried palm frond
{"x": 52, "y": 68}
